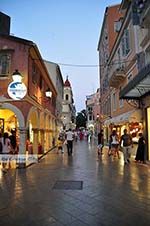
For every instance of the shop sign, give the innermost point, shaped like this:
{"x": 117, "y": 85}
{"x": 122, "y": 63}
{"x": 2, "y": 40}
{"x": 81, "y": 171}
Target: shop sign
{"x": 17, "y": 90}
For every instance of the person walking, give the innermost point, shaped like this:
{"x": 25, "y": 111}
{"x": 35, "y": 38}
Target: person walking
{"x": 90, "y": 135}
{"x": 69, "y": 139}
{"x": 13, "y": 142}
{"x": 100, "y": 146}
{"x": 60, "y": 142}
{"x": 140, "y": 149}
{"x": 127, "y": 144}
{"x": 114, "y": 140}
{"x": 6, "y": 151}
{"x": 76, "y": 135}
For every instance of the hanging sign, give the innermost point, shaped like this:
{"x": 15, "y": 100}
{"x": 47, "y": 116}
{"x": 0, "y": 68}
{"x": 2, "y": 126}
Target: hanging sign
{"x": 17, "y": 90}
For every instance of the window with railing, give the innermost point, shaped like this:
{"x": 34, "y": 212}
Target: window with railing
{"x": 5, "y": 60}
{"x": 141, "y": 60}
{"x": 117, "y": 25}
{"x": 125, "y": 43}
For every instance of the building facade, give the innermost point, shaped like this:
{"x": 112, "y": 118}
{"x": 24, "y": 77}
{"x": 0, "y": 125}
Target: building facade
{"x": 68, "y": 107}
{"x": 97, "y": 112}
{"x": 33, "y": 115}
{"x": 90, "y": 111}
{"x": 111, "y": 24}
{"x": 137, "y": 89}
{"x": 57, "y": 79}
{"x": 128, "y": 72}
{"x": 93, "y": 111}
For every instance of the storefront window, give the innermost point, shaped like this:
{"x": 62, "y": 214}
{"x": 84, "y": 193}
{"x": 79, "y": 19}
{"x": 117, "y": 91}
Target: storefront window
{"x": 135, "y": 128}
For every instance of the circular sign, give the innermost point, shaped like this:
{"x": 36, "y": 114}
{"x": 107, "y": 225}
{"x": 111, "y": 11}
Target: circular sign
{"x": 17, "y": 90}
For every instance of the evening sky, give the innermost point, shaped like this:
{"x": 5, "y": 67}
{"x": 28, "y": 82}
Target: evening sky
{"x": 66, "y": 32}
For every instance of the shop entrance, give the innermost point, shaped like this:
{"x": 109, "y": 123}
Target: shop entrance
{"x": 8, "y": 121}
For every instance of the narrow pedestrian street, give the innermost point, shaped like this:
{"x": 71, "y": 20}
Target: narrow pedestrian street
{"x": 77, "y": 190}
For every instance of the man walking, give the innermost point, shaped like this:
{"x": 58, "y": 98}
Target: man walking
{"x": 69, "y": 138}
{"x": 127, "y": 143}
{"x": 100, "y": 142}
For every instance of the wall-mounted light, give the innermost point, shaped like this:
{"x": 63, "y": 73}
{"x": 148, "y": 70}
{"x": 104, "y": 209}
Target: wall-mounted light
{"x": 97, "y": 116}
{"x": 48, "y": 93}
{"x": 17, "y": 76}
{"x": 17, "y": 89}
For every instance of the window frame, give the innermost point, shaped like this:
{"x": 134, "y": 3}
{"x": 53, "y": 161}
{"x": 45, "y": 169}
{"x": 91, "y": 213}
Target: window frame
{"x": 125, "y": 43}
{"x": 5, "y": 64}
{"x": 66, "y": 97}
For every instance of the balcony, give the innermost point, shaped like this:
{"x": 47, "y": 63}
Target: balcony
{"x": 117, "y": 74}
{"x": 140, "y": 13}
{"x": 145, "y": 14}
{"x": 144, "y": 37}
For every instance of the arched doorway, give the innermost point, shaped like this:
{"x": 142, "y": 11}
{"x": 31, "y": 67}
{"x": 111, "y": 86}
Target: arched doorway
{"x": 12, "y": 118}
{"x": 33, "y": 128}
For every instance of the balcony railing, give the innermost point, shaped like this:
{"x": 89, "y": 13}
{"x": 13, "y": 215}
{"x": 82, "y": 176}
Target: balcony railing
{"x": 145, "y": 14}
{"x": 117, "y": 74}
{"x": 140, "y": 13}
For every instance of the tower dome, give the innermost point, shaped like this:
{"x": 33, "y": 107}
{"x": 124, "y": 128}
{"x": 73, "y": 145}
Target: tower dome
{"x": 67, "y": 83}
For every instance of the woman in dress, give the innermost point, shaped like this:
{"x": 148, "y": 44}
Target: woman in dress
{"x": 140, "y": 149}
{"x": 114, "y": 139}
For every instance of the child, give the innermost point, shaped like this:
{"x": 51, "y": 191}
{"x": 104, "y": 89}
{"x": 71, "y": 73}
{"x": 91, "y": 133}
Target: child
{"x": 60, "y": 145}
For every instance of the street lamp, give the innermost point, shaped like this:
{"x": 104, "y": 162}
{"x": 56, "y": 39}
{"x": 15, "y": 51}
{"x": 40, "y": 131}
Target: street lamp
{"x": 48, "y": 93}
{"x": 17, "y": 89}
{"x": 17, "y": 76}
{"x": 97, "y": 116}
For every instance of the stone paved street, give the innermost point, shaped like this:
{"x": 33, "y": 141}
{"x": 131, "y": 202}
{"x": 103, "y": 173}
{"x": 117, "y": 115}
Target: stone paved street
{"x": 112, "y": 194}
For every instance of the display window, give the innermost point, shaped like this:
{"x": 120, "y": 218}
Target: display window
{"x": 135, "y": 128}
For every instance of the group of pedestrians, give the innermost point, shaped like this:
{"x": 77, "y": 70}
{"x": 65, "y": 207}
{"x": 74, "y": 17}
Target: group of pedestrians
{"x": 8, "y": 146}
{"x": 69, "y": 136}
{"x": 116, "y": 143}
{"x": 124, "y": 143}
{"x": 66, "y": 138}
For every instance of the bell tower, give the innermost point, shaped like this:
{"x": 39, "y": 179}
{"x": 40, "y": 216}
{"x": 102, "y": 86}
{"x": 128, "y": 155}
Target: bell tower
{"x": 68, "y": 109}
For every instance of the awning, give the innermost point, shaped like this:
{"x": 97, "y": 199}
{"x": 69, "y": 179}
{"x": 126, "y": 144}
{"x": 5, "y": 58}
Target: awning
{"x": 139, "y": 86}
{"x": 131, "y": 116}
